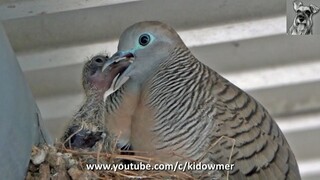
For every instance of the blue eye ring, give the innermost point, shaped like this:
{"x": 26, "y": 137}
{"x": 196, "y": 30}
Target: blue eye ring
{"x": 144, "y": 39}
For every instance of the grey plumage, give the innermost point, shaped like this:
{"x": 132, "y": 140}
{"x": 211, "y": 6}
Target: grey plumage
{"x": 180, "y": 105}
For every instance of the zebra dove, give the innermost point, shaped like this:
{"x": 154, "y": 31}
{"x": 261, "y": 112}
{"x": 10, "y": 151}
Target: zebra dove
{"x": 181, "y": 110}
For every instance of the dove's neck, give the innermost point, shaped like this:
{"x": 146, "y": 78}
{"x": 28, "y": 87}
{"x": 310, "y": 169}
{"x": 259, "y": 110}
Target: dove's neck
{"x": 177, "y": 57}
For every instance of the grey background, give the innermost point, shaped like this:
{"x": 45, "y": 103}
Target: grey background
{"x": 316, "y": 17}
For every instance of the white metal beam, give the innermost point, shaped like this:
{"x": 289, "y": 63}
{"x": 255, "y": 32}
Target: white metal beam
{"x": 62, "y": 56}
{"x": 25, "y": 8}
{"x": 276, "y": 76}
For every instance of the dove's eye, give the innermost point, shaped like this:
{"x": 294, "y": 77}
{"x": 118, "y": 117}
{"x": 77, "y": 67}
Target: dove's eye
{"x": 144, "y": 39}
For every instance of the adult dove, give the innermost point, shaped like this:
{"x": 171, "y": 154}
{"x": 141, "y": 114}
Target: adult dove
{"x": 181, "y": 110}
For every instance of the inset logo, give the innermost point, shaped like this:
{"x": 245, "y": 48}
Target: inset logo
{"x": 299, "y": 17}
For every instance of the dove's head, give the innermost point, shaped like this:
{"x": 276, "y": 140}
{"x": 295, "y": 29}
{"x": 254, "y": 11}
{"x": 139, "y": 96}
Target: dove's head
{"x": 145, "y": 45}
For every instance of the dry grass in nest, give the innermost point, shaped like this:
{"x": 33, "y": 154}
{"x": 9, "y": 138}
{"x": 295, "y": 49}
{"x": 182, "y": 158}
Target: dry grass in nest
{"x": 61, "y": 163}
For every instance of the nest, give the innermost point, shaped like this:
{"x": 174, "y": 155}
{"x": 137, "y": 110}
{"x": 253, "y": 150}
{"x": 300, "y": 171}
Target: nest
{"x": 59, "y": 162}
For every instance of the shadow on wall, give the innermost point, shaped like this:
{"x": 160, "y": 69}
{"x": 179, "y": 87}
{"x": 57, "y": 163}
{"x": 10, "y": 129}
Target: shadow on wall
{"x": 303, "y": 17}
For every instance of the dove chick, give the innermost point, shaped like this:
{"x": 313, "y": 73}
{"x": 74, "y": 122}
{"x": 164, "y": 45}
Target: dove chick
{"x": 87, "y": 126}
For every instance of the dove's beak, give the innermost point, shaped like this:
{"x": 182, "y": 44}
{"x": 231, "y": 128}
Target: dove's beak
{"x": 123, "y": 59}
{"x": 117, "y": 57}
